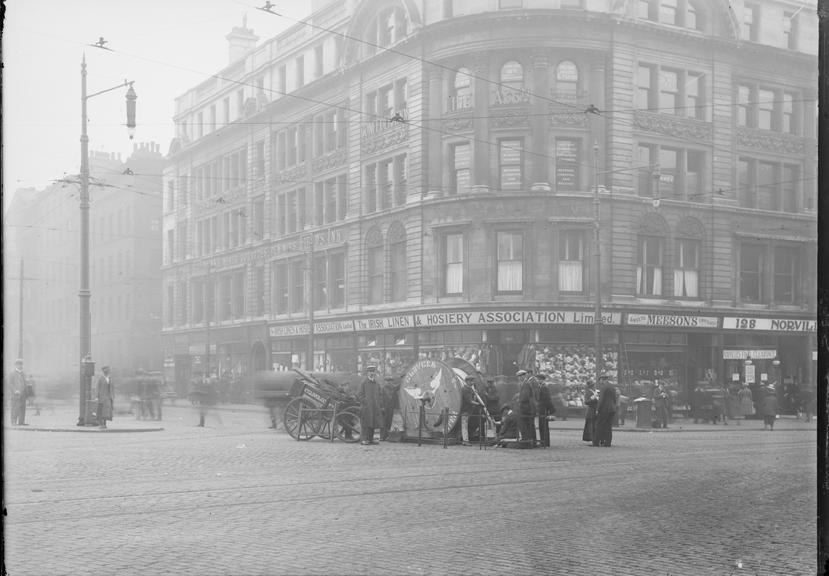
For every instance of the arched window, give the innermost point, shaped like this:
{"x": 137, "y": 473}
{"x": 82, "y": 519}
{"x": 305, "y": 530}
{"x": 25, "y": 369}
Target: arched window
{"x": 461, "y": 97}
{"x": 512, "y": 78}
{"x": 397, "y": 259}
{"x": 567, "y": 80}
{"x": 374, "y": 266}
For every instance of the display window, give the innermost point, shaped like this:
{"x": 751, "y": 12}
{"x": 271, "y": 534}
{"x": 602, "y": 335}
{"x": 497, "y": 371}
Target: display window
{"x": 444, "y": 345}
{"x": 392, "y": 353}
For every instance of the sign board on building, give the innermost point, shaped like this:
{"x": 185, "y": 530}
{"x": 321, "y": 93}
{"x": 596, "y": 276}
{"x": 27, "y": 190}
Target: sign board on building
{"x": 401, "y": 321}
{"x": 770, "y": 324}
{"x": 753, "y": 354}
{"x": 750, "y": 373}
{"x": 289, "y": 330}
{"x": 333, "y": 326}
{"x": 511, "y": 317}
{"x": 672, "y": 320}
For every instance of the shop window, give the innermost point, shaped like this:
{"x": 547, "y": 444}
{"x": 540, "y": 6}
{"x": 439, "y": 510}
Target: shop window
{"x": 461, "y": 168}
{"x": 752, "y": 268}
{"x": 571, "y": 261}
{"x": 510, "y": 163}
{"x": 336, "y": 275}
{"x": 649, "y": 266}
{"x": 297, "y": 286}
{"x": 460, "y": 97}
{"x": 686, "y": 273}
{"x": 786, "y": 274}
{"x": 397, "y": 263}
{"x": 510, "y": 262}
{"x": 453, "y": 264}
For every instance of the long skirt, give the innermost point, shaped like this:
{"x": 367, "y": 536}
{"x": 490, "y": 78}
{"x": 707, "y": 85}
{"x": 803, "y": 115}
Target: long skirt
{"x": 587, "y": 435}
{"x": 603, "y": 433}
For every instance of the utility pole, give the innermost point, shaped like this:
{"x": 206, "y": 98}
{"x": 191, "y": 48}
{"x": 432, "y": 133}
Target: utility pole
{"x": 597, "y": 320}
{"x": 310, "y": 352}
{"x": 209, "y": 310}
{"x": 20, "y": 316}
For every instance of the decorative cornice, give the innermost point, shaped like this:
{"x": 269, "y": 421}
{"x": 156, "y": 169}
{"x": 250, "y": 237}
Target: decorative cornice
{"x": 770, "y": 141}
{"x": 458, "y": 123}
{"x": 510, "y": 117}
{"x": 381, "y": 140}
{"x": 293, "y": 174}
{"x": 677, "y": 126}
{"x": 577, "y": 119}
{"x": 330, "y": 160}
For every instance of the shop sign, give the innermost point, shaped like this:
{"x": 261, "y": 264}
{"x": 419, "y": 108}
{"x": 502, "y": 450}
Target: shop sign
{"x": 771, "y": 324}
{"x": 384, "y": 323}
{"x": 671, "y": 320}
{"x": 753, "y": 354}
{"x": 333, "y": 326}
{"x": 169, "y": 363}
{"x": 750, "y": 374}
{"x": 510, "y": 317}
{"x": 289, "y": 330}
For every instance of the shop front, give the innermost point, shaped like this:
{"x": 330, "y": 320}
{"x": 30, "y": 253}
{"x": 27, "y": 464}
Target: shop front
{"x": 769, "y": 351}
{"x": 674, "y": 350}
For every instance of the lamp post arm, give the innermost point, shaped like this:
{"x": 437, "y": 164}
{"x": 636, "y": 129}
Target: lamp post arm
{"x": 124, "y": 84}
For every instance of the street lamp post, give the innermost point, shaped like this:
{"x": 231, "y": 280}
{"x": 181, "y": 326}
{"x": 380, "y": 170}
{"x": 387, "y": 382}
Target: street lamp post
{"x": 84, "y": 294}
{"x": 597, "y": 314}
{"x": 309, "y": 362}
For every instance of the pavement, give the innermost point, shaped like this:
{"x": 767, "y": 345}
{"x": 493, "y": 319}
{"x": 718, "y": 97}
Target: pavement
{"x": 235, "y": 498}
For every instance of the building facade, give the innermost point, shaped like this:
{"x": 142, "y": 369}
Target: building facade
{"x": 395, "y": 180}
{"x": 124, "y": 267}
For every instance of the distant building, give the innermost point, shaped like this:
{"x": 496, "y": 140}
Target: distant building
{"x": 125, "y": 253}
{"x": 420, "y": 175}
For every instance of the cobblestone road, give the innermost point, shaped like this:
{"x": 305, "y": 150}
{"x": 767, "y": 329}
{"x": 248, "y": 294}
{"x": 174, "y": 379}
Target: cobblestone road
{"x": 235, "y": 498}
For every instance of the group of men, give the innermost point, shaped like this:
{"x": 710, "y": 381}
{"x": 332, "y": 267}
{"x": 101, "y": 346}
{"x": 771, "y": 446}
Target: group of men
{"x": 535, "y": 404}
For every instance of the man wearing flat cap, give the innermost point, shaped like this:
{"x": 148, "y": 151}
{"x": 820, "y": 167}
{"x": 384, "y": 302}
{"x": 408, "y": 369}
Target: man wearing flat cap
{"x": 106, "y": 397}
{"x": 370, "y": 406}
{"x": 527, "y": 405}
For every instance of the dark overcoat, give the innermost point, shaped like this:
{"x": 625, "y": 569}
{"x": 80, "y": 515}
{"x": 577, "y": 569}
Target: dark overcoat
{"x": 106, "y": 396}
{"x": 371, "y": 403}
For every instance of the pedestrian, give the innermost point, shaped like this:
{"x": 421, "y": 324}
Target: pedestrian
{"x": 745, "y": 403}
{"x": 17, "y": 393}
{"x": 205, "y": 394}
{"x": 509, "y": 423}
{"x": 621, "y": 407}
{"x": 806, "y": 401}
{"x": 662, "y": 403}
{"x": 605, "y": 413}
{"x": 106, "y": 397}
{"x": 591, "y": 400}
{"x": 545, "y": 408}
{"x": 370, "y": 403}
{"x": 527, "y": 402}
{"x": 769, "y": 408}
{"x": 390, "y": 402}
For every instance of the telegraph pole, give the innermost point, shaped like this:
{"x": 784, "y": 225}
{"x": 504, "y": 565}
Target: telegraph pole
{"x": 20, "y": 316}
{"x": 597, "y": 320}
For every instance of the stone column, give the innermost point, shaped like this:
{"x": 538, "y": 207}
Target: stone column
{"x": 539, "y": 161}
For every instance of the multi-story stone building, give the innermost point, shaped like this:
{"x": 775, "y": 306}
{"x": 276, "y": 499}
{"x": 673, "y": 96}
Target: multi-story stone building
{"x": 400, "y": 179}
{"x": 125, "y": 275}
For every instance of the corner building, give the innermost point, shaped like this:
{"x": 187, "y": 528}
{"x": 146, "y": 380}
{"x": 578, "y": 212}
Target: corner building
{"x": 393, "y": 180}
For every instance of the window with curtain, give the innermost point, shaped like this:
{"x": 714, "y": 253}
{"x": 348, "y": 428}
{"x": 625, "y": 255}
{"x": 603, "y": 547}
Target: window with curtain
{"x": 510, "y": 261}
{"x": 649, "y": 266}
{"x": 786, "y": 274}
{"x": 297, "y": 286}
{"x": 453, "y": 264}
{"x": 686, "y": 273}
{"x": 752, "y": 265}
{"x": 571, "y": 262}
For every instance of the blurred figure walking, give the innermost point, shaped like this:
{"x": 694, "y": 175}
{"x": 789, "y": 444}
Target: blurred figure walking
{"x": 106, "y": 398}
{"x": 16, "y": 391}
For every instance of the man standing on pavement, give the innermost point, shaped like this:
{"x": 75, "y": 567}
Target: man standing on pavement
{"x": 106, "y": 398}
{"x": 370, "y": 402}
{"x": 591, "y": 400}
{"x": 527, "y": 401}
{"x": 545, "y": 408}
{"x": 16, "y": 390}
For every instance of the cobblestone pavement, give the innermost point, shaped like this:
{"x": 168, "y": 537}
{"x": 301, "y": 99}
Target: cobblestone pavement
{"x": 235, "y": 498}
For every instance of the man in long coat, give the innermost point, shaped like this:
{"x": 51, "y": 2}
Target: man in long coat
{"x": 545, "y": 408}
{"x": 591, "y": 400}
{"x": 370, "y": 406}
{"x": 605, "y": 414}
{"x": 16, "y": 389}
{"x": 527, "y": 403}
{"x": 106, "y": 397}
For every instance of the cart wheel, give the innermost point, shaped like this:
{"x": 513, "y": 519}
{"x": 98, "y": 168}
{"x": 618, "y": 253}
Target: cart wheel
{"x": 304, "y": 430}
{"x": 347, "y": 426}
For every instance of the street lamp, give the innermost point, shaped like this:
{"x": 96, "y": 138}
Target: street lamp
{"x": 597, "y": 314}
{"x": 87, "y": 366}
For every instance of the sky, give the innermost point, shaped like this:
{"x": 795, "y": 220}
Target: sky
{"x": 165, "y": 46}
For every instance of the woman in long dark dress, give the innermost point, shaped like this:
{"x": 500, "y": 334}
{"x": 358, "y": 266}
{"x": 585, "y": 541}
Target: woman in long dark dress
{"x": 591, "y": 400}
{"x": 605, "y": 413}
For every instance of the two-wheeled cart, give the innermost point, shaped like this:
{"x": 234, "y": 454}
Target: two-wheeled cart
{"x": 322, "y": 405}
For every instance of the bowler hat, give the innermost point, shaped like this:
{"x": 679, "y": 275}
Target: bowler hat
{"x": 521, "y": 373}
{"x": 371, "y": 367}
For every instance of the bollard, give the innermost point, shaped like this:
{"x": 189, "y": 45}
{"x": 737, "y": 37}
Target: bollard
{"x": 445, "y": 414}
{"x": 420, "y": 417}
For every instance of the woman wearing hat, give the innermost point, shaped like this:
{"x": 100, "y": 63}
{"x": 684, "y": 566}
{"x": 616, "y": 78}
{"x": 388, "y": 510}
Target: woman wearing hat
{"x": 769, "y": 408}
{"x": 106, "y": 398}
{"x": 591, "y": 400}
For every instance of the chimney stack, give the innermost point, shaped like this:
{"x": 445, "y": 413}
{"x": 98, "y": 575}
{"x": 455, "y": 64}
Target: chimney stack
{"x": 241, "y": 40}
